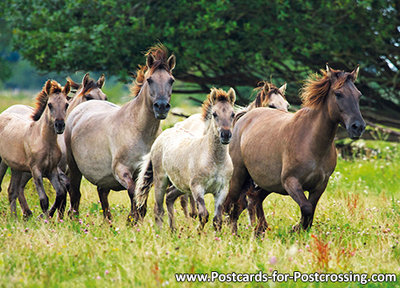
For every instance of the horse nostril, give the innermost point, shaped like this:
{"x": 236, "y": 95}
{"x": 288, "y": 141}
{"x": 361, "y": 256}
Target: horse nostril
{"x": 167, "y": 106}
{"x": 156, "y": 105}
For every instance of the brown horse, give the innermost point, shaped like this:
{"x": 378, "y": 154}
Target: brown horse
{"x": 30, "y": 145}
{"x": 105, "y": 142}
{"x": 291, "y": 153}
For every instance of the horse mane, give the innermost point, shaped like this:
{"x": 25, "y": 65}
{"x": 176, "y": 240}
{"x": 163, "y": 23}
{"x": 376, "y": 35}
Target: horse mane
{"x": 42, "y": 97}
{"x": 206, "y": 108}
{"x": 91, "y": 84}
{"x": 160, "y": 56}
{"x": 264, "y": 91}
{"x": 316, "y": 87}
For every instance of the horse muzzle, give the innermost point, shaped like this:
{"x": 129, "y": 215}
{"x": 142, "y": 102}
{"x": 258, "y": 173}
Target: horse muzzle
{"x": 356, "y": 129}
{"x": 59, "y": 126}
{"x": 225, "y": 136}
{"x": 161, "y": 109}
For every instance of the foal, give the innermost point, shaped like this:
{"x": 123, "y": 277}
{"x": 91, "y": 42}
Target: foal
{"x": 30, "y": 145}
{"x": 193, "y": 164}
{"x": 291, "y": 153}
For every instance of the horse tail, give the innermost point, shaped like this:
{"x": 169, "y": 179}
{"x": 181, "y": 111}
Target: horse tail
{"x": 144, "y": 182}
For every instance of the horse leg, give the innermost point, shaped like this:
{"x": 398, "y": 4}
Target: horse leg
{"x": 193, "y": 210}
{"x": 160, "y": 185}
{"x": 103, "y": 195}
{"x": 124, "y": 177}
{"x": 38, "y": 180}
{"x": 313, "y": 198}
{"x": 75, "y": 177}
{"x": 219, "y": 200}
{"x": 295, "y": 190}
{"x": 238, "y": 185}
{"x": 184, "y": 203}
{"x": 13, "y": 191}
{"x": 170, "y": 200}
{"x": 262, "y": 225}
{"x": 3, "y": 170}
{"x": 251, "y": 196}
{"x": 198, "y": 195}
{"x": 21, "y": 195}
{"x": 61, "y": 195}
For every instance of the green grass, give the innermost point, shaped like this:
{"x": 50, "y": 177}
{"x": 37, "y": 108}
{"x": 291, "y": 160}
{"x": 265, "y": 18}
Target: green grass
{"x": 356, "y": 228}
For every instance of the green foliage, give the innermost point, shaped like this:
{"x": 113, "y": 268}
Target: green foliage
{"x": 225, "y": 42}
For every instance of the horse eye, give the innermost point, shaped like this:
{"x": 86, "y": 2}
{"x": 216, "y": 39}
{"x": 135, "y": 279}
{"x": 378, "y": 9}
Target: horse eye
{"x": 88, "y": 97}
{"x": 215, "y": 115}
{"x": 50, "y": 106}
{"x": 171, "y": 81}
{"x": 271, "y": 106}
{"x": 233, "y": 115}
{"x": 338, "y": 95}
{"x": 66, "y": 106}
{"x": 149, "y": 80}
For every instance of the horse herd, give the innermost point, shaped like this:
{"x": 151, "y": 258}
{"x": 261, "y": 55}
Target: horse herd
{"x": 240, "y": 157}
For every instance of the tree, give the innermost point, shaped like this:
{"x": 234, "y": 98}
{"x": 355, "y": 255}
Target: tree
{"x": 224, "y": 42}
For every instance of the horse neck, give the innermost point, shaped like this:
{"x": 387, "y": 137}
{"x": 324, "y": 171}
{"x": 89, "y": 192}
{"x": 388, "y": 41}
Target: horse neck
{"x": 323, "y": 130}
{"x": 140, "y": 112}
{"x": 251, "y": 106}
{"x": 75, "y": 102}
{"x": 217, "y": 151}
{"x": 45, "y": 128}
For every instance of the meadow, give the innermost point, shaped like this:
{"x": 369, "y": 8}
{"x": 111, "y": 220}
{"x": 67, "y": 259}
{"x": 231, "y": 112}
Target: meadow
{"x": 356, "y": 228}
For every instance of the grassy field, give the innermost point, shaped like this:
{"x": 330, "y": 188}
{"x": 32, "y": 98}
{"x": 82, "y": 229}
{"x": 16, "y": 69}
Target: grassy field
{"x": 356, "y": 228}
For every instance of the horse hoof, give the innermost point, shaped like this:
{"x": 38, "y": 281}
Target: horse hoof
{"x": 27, "y": 215}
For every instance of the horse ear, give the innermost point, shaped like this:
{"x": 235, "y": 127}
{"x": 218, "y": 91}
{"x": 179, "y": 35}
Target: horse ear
{"x": 85, "y": 80}
{"x": 66, "y": 88}
{"x": 47, "y": 87}
{"x": 73, "y": 84}
{"x": 101, "y": 81}
{"x": 213, "y": 96}
{"x": 282, "y": 90}
{"x": 328, "y": 70}
{"x": 354, "y": 73}
{"x": 171, "y": 62}
{"x": 150, "y": 61}
{"x": 232, "y": 95}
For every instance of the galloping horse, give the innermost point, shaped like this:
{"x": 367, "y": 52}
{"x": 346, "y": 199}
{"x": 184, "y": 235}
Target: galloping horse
{"x": 191, "y": 163}
{"x": 291, "y": 153}
{"x": 29, "y": 144}
{"x": 268, "y": 95}
{"x": 88, "y": 90}
{"x": 105, "y": 142}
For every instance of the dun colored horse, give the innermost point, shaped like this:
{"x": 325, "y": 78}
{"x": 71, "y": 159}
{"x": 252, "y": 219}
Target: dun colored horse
{"x": 268, "y": 95}
{"x": 30, "y": 145}
{"x": 291, "y": 153}
{"x": 105, "y": 142}
{"x": 88, "y": 90}
{"x": 191, "y": 163}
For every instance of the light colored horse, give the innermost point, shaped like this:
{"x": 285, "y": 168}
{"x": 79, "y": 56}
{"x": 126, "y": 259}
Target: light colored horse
{"x": 88, "y": 90}
{"x": 105, "y": 142}
{"x": 30, "y": 145}
{"x": 268, "y": 95}
{"x": 290, "y": 153}
{"x": 191, "y": 163}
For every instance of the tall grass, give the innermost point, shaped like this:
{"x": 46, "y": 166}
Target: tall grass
{"x": 356, "y": 228}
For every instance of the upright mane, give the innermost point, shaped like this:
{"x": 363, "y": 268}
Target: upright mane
{"x": 316, "y": 87}
{"x": 206, "y": 108}
{"x": 264, "y": 91}
{"x": 160, "y": 56}
{"x": 43, "y": 96}
{"x": 91, "y": 84}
